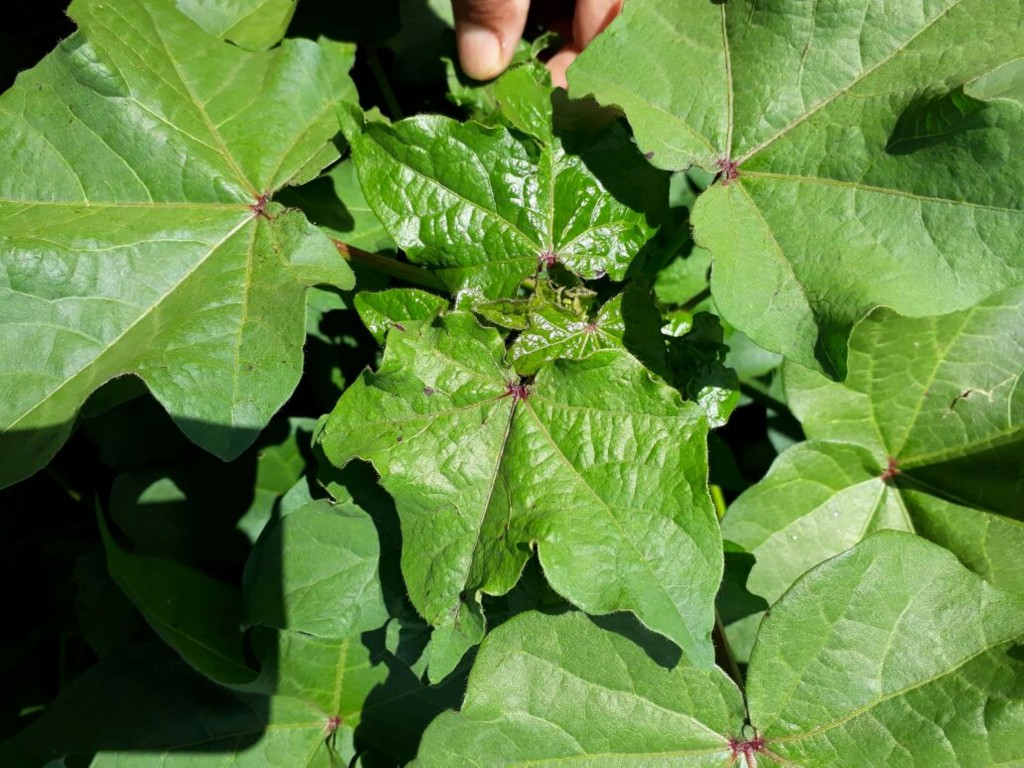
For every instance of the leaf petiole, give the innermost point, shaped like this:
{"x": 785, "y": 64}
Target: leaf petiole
{"x": 403, "y": 270}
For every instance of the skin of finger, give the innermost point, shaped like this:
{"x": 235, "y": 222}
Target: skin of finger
{"x": 506, "y": 19}
{"x": 591, "y": 17}
{"x": 560, "y": 62}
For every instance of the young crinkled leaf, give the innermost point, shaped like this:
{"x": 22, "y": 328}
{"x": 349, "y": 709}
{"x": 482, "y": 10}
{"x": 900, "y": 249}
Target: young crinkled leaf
{"x": 486, "y": 207}
{"x": 858, "y": 165}
{"x": 926, "y": 434}
{"x": 557, "y": 327}
{"x": 855, "y": 667}
{"x": 598, "y": 466}
{"x": 136, "y": 236}
{"x": 380, "y": 310}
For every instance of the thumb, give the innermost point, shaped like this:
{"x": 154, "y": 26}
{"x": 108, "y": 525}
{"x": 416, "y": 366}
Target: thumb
{"x": 486, "y": 33}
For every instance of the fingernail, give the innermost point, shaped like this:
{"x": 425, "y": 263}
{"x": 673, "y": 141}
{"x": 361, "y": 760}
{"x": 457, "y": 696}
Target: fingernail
{"x": 480, "y": 52}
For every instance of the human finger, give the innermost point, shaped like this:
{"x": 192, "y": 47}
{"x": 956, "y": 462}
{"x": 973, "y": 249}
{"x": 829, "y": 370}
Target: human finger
{"x": 486, "y": 34}
{"x": 560, "y": 62}
{"x": 590, "y": 19}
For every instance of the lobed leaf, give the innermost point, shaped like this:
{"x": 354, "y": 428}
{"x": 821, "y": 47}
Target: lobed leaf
{"x": 599, "y": 467}
{"x": 136, "y": 235}
{"x": 925, "y": 435}
{"x": 856, "y": 162}
{"x": 856, "y": 665}
{"x": 486, "y": 207}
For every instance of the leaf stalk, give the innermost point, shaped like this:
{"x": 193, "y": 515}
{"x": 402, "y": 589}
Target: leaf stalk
{"x": 410, "y": 273}
{"x": 724, "y": 656}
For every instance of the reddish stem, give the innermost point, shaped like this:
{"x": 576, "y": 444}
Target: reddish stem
{"x": 892, "y": 469}
{"x": 730, "y": 171}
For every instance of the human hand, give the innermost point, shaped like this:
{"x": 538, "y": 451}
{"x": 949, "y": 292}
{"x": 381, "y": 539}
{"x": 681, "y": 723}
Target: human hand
{"x": 487, "y": 31}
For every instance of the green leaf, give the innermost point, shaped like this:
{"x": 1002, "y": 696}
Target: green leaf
{"x": 555, "y": 332}
{"x": 567, "y": 688}
{"x": 106, "y": 618}
{"x": 855, "y": 666}
{"x": 145, "y": 151}
{"x": 696, "y": 368}
{"x": 192, "y": 509}
{"x": 1006, "y": 82}
{"x": 382, "y": 310}
{"x": 198, "y": 616}
{"x": 335, "y": 203}
{"x": 485, "y": 207}
{"x": 315, "y": 571}
{"x": 599, "y": 467}
{"x": 683, "y": 279}
{"x": 925, "y": 435}
{"x": 817, "y": 500}
{"x": 279, "y": 466}
{"x": 857, "y": 166}
{"x": 558, "y": 329}
{"x": 252, "y": 24}
{"x": 526, "y": 83}
{"x": 144, "y": 707}
{"x": 424, "y": 38}
{"x": 377, "y": 697}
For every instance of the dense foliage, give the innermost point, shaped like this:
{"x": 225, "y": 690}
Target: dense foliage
{"x": 676, "y": 420}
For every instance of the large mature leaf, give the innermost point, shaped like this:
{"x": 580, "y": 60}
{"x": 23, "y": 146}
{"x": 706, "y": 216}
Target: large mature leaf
{"x": 867, "y": 174}
{"x": 926, "y": 435}
{"x": 599, "y": 467}
{"x": 550, "y": 688}
{"x": 856, "y": 666}
{"x": 858, "y": 663}
{"x": 134, "y": 232}
{"x": 487, "y": 207}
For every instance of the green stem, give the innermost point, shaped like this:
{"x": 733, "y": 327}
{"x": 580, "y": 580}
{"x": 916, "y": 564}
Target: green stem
{"x": 761, "y": 397}
{"x": 723, "y": 653}
{"x": 410, "y": 273}
{"x": 697, "y": 300}
{"x": 787, "y": 422}
{"x": 718, "y": 499}
{"x": 382, "y": 82}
